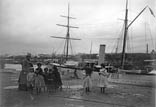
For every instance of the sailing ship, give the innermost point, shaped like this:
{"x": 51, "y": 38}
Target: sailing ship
{"x": 65, "y": 60}
{"x": 126, "y": 27}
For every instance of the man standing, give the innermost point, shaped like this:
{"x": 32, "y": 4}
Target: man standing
{"x": 88, "y": 70}
{"x": 26, "y": 64}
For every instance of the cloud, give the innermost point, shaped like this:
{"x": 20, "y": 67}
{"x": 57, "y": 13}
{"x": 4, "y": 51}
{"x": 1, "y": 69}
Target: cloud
{"x": 25, "y": 25}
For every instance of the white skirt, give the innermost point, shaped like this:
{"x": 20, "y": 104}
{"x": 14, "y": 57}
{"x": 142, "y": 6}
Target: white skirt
{"x": 103, "y": 81}
{"x": 87, "y": 82}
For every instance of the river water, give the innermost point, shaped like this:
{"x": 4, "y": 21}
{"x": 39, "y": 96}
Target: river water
{"x": 135, "y": 79}
{"x": 18, "y": 67}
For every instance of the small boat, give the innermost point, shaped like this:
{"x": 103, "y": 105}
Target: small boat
{"x": 152, "y": 72}
{"x": 130, "y": 71}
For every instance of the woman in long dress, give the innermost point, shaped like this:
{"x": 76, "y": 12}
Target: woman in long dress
{"x": 51, "y": 81}
{"x": 26, "y": 65}
{"x": 57, "y": 80}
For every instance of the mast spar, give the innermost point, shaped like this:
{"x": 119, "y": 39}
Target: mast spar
{"x": 125, "y": 36}
{"x": 67, "y": 38}
{"x": 126, "y": 31}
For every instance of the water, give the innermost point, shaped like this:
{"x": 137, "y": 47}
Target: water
{"x": 18, "y": 67}
{"x": 130, "y": 79}
{"x": 11, "y": 87}
{"x": 152, "y": 72}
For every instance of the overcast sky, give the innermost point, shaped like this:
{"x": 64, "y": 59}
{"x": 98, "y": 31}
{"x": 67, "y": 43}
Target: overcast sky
{"x": 26, "y": 25}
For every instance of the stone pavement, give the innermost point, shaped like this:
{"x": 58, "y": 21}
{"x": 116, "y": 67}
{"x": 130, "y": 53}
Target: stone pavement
{"x": 117, "y": 95}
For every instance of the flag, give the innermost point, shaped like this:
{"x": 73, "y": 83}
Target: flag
{"x": 151, "y": 11}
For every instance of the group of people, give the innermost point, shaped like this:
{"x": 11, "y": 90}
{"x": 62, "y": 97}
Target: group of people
{"x": 102, "y": 81}
{"x": 49, "y": 79}
{"x": 38, "y": 79}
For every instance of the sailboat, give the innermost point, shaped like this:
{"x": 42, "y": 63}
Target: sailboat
{"x": 126, "y": 27}
{"x": 65, "y": 60}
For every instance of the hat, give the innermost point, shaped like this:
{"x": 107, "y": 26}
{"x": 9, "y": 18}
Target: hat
{"x": 102, "y": 70}
{"x": 102, "y": 65}
{"x": 39, "y": 64}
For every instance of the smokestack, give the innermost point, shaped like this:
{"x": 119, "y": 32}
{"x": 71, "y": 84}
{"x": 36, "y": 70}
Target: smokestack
{"x": 101, "y": 54}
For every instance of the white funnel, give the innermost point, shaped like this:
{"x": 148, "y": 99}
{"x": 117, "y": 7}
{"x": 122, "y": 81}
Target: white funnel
{"x": 101, "y": 54}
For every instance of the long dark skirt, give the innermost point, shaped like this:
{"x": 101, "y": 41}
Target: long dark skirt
{"x": 22, "y": 82}
{"x": 51, "y": 85}
{"x": 22, "y": 87}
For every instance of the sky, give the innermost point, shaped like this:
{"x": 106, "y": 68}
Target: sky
{"x": 26, "y": 25}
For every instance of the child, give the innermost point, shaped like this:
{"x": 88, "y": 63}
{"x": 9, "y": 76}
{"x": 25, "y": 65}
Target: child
{"x": 30, "y": 79}
{"x": 50, "y": 80}
{"x": 39, "y": 82}
{"x": 87, "y": 83}
{"x": 39, "y": 69}
{"x": 46, "y": 76}
{"x": 103, "y": 82}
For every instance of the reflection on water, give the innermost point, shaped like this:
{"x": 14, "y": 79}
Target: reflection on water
{"x": 18, "y": 67}
{"x": 11, "y": 87}
{"x": 71, "y": 87}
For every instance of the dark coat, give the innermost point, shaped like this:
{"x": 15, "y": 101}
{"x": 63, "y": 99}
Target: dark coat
{"x": 50, "y": 83}
{"x": 88, "y": 71}
{"x": 58, "y": 78}
{"x": 40, "y": 71}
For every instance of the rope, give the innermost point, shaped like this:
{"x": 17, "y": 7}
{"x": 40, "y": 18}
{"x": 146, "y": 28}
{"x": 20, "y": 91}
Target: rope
{"x": 128, "y": 44}
{"x": 71, "y": 47}
{"x": 64, "y": 50}
{"x": 118, "y": 41}
{"x": 59, "y": 47}
{"x": 151, "y": 36}
{"x": 121, "y": 39}
{"x": 132, "y": 46}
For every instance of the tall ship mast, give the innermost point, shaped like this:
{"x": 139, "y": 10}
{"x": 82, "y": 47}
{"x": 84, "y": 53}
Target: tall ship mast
{"x": 126, "y": 26}
{"x": 125, "y": 36}
{"x": 67, "y": 38}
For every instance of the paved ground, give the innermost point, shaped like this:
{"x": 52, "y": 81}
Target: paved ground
{"x": 117, "y": 95}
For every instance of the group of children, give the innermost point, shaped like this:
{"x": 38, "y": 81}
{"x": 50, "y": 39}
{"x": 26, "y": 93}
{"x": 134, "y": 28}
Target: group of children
{"x": 102, "y": 81}
{"x": 48, "y": 80}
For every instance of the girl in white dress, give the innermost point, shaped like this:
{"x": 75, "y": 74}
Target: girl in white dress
{"x": 103, "y": 78}
{"x": 87, "y": 83}
{"x": 30, "y": 79}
